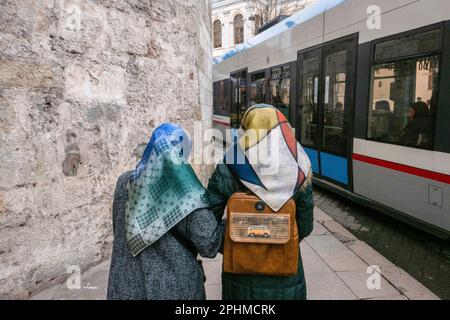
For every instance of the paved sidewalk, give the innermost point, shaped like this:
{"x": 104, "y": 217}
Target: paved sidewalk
{"x": 335, "y": 265}
{"x": 425, "y": 257}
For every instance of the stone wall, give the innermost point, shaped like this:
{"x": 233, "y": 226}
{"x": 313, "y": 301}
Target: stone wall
{"x": 82, "y": 85}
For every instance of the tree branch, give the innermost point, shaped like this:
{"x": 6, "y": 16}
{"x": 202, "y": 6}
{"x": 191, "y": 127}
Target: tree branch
{"x": 271, "y": 9}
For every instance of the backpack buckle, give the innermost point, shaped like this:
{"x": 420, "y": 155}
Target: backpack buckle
{"x": 259, "y": 206}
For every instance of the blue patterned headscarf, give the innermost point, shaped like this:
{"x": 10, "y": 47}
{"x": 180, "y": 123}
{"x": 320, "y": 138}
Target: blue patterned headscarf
{"x": 163, "y": 188}
{"x": 167, "y": 134}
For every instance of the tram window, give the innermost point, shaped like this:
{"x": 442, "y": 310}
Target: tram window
{"x": 403, "y": 109}
{"x": 221, "y": 97}
{"x": 258, "y": 88}
{"x": 334, "y": 137}
{"x": 239, "y": 94}
{"x": 279, "y": 89}
{"x": 309, "y": 98}
{"x": 416, "y": 44}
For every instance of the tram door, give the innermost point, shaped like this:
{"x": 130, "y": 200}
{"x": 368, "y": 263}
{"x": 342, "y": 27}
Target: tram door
{"x": 326, "y": 91}
{"x": 238, "y": 97}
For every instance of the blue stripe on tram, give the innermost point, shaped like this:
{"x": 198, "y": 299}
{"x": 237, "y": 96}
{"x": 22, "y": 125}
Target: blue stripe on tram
{"x": 334, "y": 167}
{"x": 313, "y": 156}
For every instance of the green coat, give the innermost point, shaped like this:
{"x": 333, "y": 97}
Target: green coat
{"x": 251, "y": 287}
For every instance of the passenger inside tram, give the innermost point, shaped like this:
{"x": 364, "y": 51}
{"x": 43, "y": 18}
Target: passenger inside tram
{"x": 417, "y": 130}
{"x": 382, "y": 105}
{"x": 381, "y": 120}
{"x": 404, "y": 102}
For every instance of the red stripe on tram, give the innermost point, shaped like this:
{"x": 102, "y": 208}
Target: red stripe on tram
{"x": 432, "y": 175}
{"x": 221, "y": 122}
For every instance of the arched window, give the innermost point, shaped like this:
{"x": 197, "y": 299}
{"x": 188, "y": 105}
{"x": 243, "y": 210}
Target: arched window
{"x": 258, "y": 23}
{"x": 217, "y": 32}
{"x": 238, "y": 29}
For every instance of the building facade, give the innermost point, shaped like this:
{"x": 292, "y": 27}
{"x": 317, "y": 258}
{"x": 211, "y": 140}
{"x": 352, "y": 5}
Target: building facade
{"x": 236, "y": 21}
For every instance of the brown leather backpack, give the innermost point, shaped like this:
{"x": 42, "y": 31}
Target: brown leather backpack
{"x": 258, "y": 240}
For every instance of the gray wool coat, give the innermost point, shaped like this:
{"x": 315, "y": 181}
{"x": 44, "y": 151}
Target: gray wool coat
{"x": 166, "y": 270}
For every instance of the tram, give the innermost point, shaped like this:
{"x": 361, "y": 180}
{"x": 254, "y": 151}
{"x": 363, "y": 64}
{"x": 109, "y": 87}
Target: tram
{"x": 365, "y": 84}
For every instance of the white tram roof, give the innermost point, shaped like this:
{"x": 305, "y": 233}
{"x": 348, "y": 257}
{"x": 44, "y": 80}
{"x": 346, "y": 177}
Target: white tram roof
{"x": 317, "y": 8}
{"x": 327, "y": 20}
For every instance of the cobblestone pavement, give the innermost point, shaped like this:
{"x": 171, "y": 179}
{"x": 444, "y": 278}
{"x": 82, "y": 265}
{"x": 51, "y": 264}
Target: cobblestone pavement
{"x": 423, "y": 256}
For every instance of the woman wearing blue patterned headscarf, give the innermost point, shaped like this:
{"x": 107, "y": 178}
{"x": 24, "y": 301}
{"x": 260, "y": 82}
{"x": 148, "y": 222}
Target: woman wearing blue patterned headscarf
{"x": 161, "y": 221}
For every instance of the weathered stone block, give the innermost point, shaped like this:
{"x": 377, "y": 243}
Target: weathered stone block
{"x": 82, "y": 85}
{"x": 105, "y": 84}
